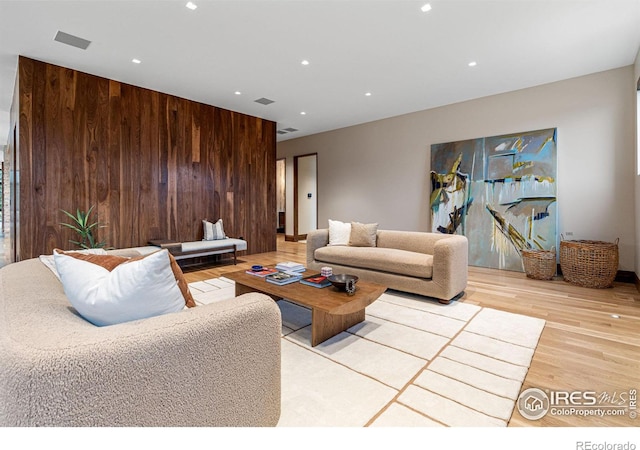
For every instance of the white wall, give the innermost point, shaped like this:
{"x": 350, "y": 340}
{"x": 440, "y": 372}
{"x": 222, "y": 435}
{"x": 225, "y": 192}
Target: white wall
{"x": 379, "y": 171}
{"x": 637, "y": 165}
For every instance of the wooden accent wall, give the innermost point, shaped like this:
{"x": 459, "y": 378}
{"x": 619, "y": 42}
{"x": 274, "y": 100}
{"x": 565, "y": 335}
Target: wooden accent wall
{"x": 154, "y": 165}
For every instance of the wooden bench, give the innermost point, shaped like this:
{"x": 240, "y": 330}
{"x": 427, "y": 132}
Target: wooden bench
{"x": 197, "y": 249}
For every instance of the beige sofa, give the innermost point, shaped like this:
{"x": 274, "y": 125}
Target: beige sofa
{"x": 213, "y": 365}
{"x": 429, "y": 264}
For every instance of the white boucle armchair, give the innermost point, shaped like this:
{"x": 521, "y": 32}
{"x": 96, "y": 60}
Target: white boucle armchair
{"x": 212, "y": 365}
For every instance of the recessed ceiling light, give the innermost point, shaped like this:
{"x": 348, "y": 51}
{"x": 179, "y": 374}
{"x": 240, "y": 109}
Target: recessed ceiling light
{"x": 473, "y": 64}
{"x": 303, "y": 113}
{"x": 238, "y": 93}
{"x": 426, "y": 7}
{"x": 368, "y": 94}
{"x": 305, "y": 62}
{"x": 191, "y": 6}
{"x": 136, "y": 61}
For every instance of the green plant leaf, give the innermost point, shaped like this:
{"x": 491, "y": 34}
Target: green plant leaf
{"x": 74, "y": 228}
{"x": 82, "y": 226}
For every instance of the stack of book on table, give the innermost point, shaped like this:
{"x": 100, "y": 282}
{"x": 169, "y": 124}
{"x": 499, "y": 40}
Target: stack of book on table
{"x": 316, "y": 280}
{"x": 283, "y": 277}
{"x": 290, "y": 267}
{"x": 263, "y": 272}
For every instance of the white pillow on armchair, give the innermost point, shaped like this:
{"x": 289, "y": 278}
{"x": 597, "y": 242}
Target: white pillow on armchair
{"x": 134, "y": 290}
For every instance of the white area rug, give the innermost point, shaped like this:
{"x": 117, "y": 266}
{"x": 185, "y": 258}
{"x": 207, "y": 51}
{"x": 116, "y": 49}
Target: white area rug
{"x": 412, "y": 362}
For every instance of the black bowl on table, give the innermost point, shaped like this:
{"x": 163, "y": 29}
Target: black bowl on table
{"x": 339, "y": 280}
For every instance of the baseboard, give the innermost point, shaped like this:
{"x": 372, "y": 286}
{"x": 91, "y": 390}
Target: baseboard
{"x": 622, "y": 276}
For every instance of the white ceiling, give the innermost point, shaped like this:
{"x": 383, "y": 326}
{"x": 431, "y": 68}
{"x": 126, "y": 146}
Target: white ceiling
{"x": 407, "y": 59}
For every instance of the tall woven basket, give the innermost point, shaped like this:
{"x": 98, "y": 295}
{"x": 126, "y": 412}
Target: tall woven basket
{"x": 539, "y": 264}
{"x": 592, "y": 264}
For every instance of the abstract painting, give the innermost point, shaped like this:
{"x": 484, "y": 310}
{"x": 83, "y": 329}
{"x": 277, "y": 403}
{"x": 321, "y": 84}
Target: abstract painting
{"x": 500, "y": 192}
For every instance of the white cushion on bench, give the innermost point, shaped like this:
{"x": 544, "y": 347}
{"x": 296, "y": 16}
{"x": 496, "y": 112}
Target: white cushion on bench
{"x": 206, "y": 246}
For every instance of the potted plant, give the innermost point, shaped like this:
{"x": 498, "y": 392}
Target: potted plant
{"x": 80, "y": 223}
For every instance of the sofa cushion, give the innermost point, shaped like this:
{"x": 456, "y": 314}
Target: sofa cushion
{"x": 111, "y": 261}
{"x": 205, "y": 246}
{"x": 390, "y": 260}
{"x": 339, "y": 232}
{"x": 363, "y": 234}
{"x": 133, "y": 290}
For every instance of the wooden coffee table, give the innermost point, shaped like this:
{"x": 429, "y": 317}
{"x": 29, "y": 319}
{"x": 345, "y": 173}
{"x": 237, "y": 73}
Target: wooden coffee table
{"x": 332, "y": 311}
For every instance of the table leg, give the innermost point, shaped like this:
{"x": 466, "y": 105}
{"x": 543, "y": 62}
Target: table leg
{"x": 242, "y": 289}
{"x": 325, "y": 325}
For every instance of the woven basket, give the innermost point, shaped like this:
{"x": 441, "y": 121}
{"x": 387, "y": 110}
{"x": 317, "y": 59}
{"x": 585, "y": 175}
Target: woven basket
{"x": 592, "y": 264}
{"x": 539, "y": 264}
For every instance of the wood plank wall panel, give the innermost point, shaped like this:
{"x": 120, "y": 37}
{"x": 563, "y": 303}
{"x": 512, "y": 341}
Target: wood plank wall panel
{"x": 154, "y": 165}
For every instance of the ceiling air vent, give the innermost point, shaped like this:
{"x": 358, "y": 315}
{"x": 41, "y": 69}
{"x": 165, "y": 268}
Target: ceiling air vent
{"x": 290, "y": 130}
{"x": 264, "y": 101}
{"x": 71, "y": 40}
{"x": 281, "y": 132}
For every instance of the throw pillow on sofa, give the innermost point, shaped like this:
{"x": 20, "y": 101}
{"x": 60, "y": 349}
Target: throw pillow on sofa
{"x": 48, "y": 261}
{"x": 363, "y": 234}
{"x": 339, "y": 232}
{"x": 133, "y": 290}
{"x": 110, "y": 262}
{"x": 213, "y": 231}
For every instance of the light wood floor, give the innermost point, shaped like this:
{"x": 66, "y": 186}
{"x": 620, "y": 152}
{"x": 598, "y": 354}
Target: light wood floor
{"x": 581, "y": 348}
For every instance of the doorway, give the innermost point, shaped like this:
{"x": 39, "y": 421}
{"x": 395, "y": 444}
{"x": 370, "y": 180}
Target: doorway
{"x": 14, "y": 186}
{"x": 305, "y": 195}
{"x": 281, "y": 191}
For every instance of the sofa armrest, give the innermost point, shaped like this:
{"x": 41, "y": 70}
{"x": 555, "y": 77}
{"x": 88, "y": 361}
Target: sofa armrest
{"x": 315, "y": 240}
{"x": 213, "y": 365}
{"x": 450, "y": 265}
